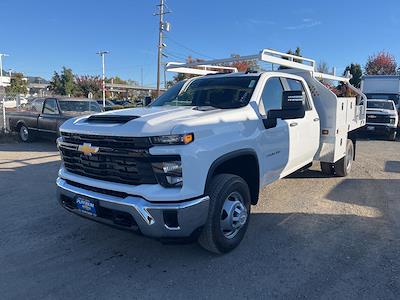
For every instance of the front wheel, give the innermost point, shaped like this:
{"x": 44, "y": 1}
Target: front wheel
{"x": 392, "y": 135}
{"x": 24, "y": 134}
{"x": 228, "y": 214}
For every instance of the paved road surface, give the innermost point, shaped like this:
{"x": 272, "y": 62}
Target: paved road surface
{"x": 311, "y": 237}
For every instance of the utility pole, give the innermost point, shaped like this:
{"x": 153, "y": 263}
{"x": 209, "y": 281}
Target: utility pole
{"x": 162, "y": 27}
{"x": 2, "y": 86}
{"x": 103, "y": 76}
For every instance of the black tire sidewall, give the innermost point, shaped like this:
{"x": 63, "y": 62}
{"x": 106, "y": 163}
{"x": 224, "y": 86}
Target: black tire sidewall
{"x": 19, "y": 134}
{"x": 234, "y": 184}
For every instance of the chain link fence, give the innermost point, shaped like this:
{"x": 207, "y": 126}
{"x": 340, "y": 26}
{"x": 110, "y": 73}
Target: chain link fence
{"x": 9, "y": 103}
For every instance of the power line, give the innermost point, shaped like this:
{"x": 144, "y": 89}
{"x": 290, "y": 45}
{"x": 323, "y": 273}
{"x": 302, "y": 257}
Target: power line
{"x": 187, "y": 48}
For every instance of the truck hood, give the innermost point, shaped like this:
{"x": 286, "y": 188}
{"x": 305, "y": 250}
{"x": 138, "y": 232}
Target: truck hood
{"x": 149, "y": 121}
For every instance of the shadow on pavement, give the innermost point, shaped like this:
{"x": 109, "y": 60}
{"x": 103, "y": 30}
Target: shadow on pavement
{"x": 47, "y": 252}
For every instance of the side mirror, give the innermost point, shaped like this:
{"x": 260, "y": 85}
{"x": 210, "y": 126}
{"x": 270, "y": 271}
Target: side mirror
{"x": 147, "y": 101}
{"x": 293, "y": 100}
{"x": 293, "y": 107}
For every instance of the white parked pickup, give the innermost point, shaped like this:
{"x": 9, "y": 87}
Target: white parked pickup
{"x": 192, "y": 163}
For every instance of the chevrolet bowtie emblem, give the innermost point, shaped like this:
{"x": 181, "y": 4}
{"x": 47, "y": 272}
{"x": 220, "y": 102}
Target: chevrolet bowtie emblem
{"x": 88, "y": 149}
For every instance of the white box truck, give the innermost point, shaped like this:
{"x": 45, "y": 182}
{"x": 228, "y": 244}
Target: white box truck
{"x": 191, "y": 164}
{"x": 384, "y": 87}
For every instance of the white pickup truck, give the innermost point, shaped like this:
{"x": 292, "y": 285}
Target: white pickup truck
{"x": 192, "y": 163}
{"x": 382, "y": 118}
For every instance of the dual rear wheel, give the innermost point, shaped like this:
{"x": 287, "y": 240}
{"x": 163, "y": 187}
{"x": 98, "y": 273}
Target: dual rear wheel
{"x": 342, "y": 167}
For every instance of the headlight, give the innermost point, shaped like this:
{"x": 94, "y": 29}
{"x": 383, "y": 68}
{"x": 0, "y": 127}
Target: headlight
{"x": 173, "y": 139}
{"x": 169, "y": 174}
{"x": 392, "y": 120}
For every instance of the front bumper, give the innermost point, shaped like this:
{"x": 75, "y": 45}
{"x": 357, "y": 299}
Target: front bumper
{"x": 379, "y": 128}
{"x": 158, "y": 220}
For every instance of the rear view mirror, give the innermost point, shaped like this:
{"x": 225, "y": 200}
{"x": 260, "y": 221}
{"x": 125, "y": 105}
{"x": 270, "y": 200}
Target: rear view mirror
{"x": 147, "y": 101}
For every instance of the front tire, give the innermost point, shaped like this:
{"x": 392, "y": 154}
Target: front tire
{"x": 228, "y": 214}
{"x": 24, "y": 134}
{"x": 392, "y": 135}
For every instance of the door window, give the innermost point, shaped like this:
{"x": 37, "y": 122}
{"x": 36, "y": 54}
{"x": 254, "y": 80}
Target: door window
{"x": 271, "y": 97}
{"x": 50, "y": 107}
{"x": 37, "y": 105}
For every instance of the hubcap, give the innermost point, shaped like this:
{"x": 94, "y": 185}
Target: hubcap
{"x": 233, "y": 215}
{"x": 24, "y": 133}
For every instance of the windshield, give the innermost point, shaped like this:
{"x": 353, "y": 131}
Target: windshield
{"x": 393, "y": 97}
{"x": 68, "y": 106}
{"x": 380, "y": 105}
{"x": 220, "y": 92}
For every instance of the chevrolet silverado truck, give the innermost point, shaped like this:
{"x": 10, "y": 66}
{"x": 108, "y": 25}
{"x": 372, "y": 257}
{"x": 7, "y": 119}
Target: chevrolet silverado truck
{"x": 382, "y": 118}
{"x": 43, "y": 116}
{"x": 192, "y": 163}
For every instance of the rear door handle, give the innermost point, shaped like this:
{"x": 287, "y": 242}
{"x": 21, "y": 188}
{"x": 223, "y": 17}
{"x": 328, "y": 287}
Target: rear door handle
{"x": 293, "y": 124}
{"x": 316, "y": 120}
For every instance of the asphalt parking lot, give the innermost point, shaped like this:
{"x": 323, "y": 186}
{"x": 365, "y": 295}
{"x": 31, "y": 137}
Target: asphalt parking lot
{"x": 310, "y": 237}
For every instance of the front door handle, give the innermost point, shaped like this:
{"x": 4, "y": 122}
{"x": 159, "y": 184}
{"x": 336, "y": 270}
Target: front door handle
{"x": 316, "y": 120}
{"x": 293, "y": 124}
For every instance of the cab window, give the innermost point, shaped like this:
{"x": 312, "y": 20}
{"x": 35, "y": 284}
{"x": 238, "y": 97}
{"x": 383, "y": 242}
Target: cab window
{"x": 271, "y": 97}
{"x": 37, "y": 105}
{"x": 50, "y": 107}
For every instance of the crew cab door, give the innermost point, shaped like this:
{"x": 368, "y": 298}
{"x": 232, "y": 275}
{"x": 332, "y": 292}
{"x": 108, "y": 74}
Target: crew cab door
{"x": 47, "y": 121}
{"x": 298, "y": 137}
{"x": 304, "y": 132}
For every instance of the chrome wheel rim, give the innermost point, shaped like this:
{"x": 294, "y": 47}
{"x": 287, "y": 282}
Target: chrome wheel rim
{"x": 234, "y": 215}
{"x": 23, "y": 132}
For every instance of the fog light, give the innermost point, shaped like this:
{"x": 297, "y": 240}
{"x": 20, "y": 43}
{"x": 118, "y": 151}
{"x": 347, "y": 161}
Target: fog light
{"x": 169, "y": 174}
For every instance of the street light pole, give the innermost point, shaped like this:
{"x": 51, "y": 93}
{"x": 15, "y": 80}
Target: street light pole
{"x": 102, "y": 54}
{"x": 1, "y": 85}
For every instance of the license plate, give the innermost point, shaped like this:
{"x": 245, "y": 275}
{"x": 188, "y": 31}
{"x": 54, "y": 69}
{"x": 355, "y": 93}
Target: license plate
{"x": 370, "y": 127}
{"x": 86, "y": 206}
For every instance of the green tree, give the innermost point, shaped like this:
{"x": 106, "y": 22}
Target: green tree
{"x": 18, "y": 85}
{"x": 68, "y": 79}
{"x": 356, "y": 71}
{"x": 64, "y": 83}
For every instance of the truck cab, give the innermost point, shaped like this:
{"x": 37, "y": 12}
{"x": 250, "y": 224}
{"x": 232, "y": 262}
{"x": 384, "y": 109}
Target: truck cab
{"x": 382, "y": 118}
{"x": 191, "y": 164}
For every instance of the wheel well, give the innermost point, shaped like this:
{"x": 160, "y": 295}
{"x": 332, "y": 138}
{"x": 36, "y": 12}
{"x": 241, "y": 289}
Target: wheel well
{"x": 18, "y": 125}
{"x": 244, "y": 165}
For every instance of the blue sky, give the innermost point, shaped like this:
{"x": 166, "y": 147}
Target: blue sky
{"x": 42, "y": 36}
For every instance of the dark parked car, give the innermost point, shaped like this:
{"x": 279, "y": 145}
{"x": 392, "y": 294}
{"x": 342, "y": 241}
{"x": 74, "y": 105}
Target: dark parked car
{"x": 109, "y": 105}
{"x": 121, "y": 102}
{"x": 43, "y": 116}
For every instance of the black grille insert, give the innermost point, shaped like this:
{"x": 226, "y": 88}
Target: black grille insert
{"x": 378, "y": 118}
